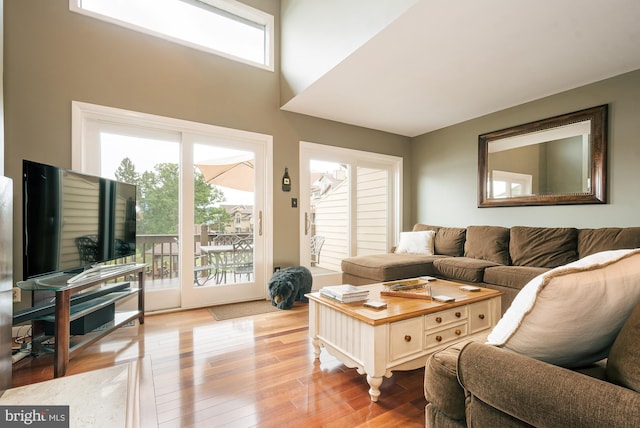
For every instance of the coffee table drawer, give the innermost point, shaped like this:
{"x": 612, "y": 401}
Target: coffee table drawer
{"x": 445, "y": 317}
{"x": 480, "y": 316}
{"x": 405, "y": 338}
{"x": 440, "y": 337}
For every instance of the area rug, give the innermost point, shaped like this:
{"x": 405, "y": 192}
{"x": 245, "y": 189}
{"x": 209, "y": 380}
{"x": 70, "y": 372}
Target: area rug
{"x": 244, "y": 309}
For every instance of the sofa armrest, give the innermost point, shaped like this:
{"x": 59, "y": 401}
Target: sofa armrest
{"x": 542, "y": 394}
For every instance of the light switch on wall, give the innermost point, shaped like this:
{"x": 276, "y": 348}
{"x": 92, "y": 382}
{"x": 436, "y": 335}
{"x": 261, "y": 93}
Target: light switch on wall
{"x": 17, "y": 295}
{"x": 294, "y": 202}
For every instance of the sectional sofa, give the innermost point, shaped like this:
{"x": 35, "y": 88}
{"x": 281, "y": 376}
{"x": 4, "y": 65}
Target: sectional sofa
{"x": 565, "y": 354}
{"x": 501, "y": 258}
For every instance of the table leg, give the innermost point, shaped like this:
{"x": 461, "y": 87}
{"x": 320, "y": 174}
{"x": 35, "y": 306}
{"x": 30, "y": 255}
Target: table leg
{"x": 62, "y": 331}
{"x": 374, "y": 383}
{"x": 316, "y": 347}
{"x": 313, "y": 328}
{"x": 221, "y": 267}
{"x": 141, "y": 296}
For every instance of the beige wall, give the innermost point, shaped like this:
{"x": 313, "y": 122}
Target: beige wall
{"x": 54, "y": 56}
{"x": 444, "y": 163}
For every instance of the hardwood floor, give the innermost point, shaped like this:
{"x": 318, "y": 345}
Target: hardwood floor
{"x": 255, "y": 371}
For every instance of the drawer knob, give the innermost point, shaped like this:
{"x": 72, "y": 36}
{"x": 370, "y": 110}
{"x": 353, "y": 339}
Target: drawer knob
{"x": 407, "y": 338}
{"x": 438, "y": 319}
{"x": 481, "y": 316}
{"x": 458, "y": 332}
{"x": 438, "y": 338}
{"x": 458, "y": 314}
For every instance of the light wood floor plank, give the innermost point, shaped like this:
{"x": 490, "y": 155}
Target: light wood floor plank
{"x": 255, "y": 371}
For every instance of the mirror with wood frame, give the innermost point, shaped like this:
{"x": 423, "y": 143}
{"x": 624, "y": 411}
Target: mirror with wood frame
{"x": 556, "y": 161}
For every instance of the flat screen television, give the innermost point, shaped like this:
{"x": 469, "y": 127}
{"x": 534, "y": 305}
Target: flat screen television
{"x": 73, "y": 221}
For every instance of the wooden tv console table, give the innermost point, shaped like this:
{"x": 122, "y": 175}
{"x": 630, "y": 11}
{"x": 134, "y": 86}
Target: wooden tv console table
{"x": 67, "y": 310}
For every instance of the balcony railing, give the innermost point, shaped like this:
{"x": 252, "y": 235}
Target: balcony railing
{"x": 160, "y": 252}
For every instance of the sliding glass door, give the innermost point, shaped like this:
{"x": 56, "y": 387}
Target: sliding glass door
{"x": 350, "y": 205}
{"x": 186, "y": 206}
{"x": 230, "y": 261}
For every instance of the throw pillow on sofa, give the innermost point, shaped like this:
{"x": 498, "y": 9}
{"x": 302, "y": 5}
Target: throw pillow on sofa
{"x": 450, "y": 241}
{"x": 416, "y": 242}
{"x": 490, "y": 243}
{"x": 591, "y": 241}
{"x": 547, "y": 247}
{"x": 570, "y": 315}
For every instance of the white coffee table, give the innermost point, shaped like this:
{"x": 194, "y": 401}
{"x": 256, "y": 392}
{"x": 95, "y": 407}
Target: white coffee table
{"x": 400, "y": 337}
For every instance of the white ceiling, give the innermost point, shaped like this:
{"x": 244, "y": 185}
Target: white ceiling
{"x": 445, "y": 62}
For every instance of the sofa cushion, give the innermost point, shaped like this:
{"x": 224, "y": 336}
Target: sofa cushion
{"x": 548, "y": 247}
{"x": 511, "y": 276}
{"x": 416, "y": 242}
{"x": 623, "y": 365}
{"x": 434, "y": 417}
{"x": 441, "y": 387}
{"x": 591, "y": 241}
{"x": 461, "y": 268}
{"x": 538, "y": 394}
{"x": 571, "y": 315}
{"x": 450, "y": 241}
{"x": 389, "y": 266}
{"x": 421, "y": 226}
{"x": 417, "y": 228}
{"x": 489, "y": 243}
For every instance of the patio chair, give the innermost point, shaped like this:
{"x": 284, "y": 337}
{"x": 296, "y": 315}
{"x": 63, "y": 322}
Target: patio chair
{"x": 215, "y": 262}
{"x": 242, "y": 258}
{"x": 316, "y": 245}
{"x": 225, "y": 239}
{"x": 87, "y": 248}
{"x": 204, "y": 271}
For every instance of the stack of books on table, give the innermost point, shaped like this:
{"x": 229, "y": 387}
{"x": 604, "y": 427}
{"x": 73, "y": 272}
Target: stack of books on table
{"x": 345, "y": 293}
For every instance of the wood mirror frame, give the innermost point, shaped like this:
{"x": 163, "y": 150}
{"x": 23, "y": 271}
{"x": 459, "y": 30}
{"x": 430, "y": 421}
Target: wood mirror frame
{"x": 593, "y": 179}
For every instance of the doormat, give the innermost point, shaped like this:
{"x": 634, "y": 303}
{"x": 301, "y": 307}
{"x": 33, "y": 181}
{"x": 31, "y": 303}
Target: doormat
{"x": 243, "y": 309}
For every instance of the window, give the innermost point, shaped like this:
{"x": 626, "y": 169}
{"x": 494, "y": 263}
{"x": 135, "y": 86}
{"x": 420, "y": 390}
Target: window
{"x": 505, "y": 184}
{"x": 352, "y": 201}
{"x": 226, "y": 28}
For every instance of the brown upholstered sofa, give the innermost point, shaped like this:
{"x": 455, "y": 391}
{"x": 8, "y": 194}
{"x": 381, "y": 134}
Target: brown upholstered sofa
{"x": 505, "y": 259}
{"x": 478, "y": 385}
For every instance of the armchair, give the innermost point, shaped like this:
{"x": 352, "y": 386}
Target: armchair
{"x": 478, "y": 385}
{"x": 508, "y": 389}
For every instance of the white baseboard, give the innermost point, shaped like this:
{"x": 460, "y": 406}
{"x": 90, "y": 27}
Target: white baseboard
{"x": 323, "y": 280}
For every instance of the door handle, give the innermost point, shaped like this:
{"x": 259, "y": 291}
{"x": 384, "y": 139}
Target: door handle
{"x": 260, "y": 223}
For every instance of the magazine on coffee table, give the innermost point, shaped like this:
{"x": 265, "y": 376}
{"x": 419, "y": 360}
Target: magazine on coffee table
{"x": 345, "y": 293}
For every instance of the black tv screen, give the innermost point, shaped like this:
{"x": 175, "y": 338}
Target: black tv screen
{"x": 72, "y": 220}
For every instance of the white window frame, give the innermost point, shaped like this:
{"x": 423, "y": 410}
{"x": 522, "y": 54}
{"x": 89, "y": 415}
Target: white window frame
{"x": 84, "y": 159}
{"x": 356, "y": 158}
{"x": 232, "y": 7}
{"x": 510, "y": 178}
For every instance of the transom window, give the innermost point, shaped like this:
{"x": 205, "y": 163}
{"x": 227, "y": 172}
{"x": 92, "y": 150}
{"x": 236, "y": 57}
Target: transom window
{"x": 223, "y": 27}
